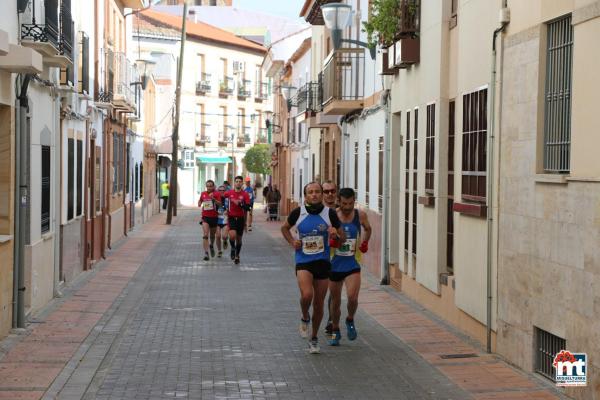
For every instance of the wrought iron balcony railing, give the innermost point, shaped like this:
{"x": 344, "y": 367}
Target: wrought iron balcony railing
{"x": 57, "y": 29}
{"x": 261, "y": 91}
{"x": 226, "y": 86}
{"x": 262, "y": 136}
{"x": 204, "y": 85}
{"x": 309, "y": 98}
{"x": 116, "y": 76}
{"x": 343, "y": 77}
{"x": 244, "y": 88}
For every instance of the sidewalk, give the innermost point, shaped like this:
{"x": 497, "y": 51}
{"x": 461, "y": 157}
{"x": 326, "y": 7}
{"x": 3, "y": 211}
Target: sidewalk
{"x": 484, "y": 376}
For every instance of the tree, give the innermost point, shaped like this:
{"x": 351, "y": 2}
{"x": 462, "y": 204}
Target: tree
{"x": 258, "y": 159}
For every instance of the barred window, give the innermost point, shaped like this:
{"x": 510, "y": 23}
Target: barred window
{"x": 406, "y": 184}
{"x": 414, "y": 196}
{"x": 474, "y": 146}
{"x": 450, "y": 204}
{"x": 430, "y": 150}
{"x": 367, "y": 163}
{"x": 70, "y": 178}
{"x": 557, "y": 105}
{"x": 46, "y": 189}
{"x": 380, "y": 178}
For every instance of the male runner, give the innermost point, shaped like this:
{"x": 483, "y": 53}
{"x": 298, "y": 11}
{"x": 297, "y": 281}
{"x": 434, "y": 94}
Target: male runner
{"x": 236, "y": 214}
{"x": 209, "y": 201}
{"x": 318, "y": 227}
{"x": 250, "y": 190}
{"x": 330, "y": 199}
{"x": 345, "y": 265}
{"x": 222, "y": 229}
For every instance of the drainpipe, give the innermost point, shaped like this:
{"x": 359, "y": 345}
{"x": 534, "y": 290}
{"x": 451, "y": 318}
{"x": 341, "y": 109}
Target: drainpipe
{"x": 504, "y": 20}
{"x": 385, "y": 243}
{"x": 21, "y": 202}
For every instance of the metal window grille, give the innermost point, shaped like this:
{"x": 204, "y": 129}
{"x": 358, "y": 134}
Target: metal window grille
{"x": 415, "y": 181}
{"x": 547, "y": 346}
{"x": 380, "y": 178}
{"x": 430, "y": 150}
{"x": 557, "y": 105}
{"x": 45, "y": 189}
{"x": 80, "y": 167}
{"x": 450, "y": 215}
{"x": 406, "y": 184}
{"x": 70, "y": 177}
{"x": 474, "y": 146}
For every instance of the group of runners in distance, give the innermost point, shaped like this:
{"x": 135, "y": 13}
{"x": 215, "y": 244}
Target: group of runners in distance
{"x": 331, "y": 236}
{"x": 226, "y": 214}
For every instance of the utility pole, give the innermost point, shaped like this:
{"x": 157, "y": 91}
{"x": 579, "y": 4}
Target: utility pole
{"x": 172, "y": 207}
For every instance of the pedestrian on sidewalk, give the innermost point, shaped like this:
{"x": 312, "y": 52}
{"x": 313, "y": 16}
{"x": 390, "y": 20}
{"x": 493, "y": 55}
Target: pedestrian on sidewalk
{"x": 273, "y": 199}
{"x": 250, "y": 190}
{"x": 209, "y": 202}
{"x": 239, "y": 202}
{"x": 164, "y": 193}
{"x": 345, "y": 264}
{"x": 319, "y": 228}
{"x": 222, "y": 227}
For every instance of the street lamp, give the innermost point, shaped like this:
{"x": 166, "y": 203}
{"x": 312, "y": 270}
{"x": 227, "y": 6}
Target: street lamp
{"x": 337, "y": 17}
{"x": 145, "y": 68}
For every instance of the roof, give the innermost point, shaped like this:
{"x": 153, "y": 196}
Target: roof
{"x": 203, "y": 31}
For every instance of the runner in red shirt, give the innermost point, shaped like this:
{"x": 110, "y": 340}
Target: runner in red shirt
{"x": 239, "y": 203}
{"x": 209, "y": 202}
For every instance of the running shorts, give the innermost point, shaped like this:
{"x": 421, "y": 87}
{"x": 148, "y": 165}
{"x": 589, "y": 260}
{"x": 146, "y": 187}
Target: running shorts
{"x": 319, "y": 269}
{"x": 211, "y": 221}
{"x": 237, "y": 224}
{"x": 340, "y": 276}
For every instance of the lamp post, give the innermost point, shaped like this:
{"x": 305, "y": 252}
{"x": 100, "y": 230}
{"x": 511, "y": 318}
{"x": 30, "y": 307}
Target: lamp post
{"x": 337, "y": 17}
{"x": 145, "y": 68}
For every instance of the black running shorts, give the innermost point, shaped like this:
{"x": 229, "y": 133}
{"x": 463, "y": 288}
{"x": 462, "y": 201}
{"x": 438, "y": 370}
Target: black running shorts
{"x": 237, "y": 224}
{"x": 340, "y": 276}
{"x": 211, "y": 221}
{"x": 318, "y": 269}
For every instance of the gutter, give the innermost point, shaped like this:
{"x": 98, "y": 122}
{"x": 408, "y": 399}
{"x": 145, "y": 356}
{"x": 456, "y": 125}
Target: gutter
{"x": 504, "y": 21}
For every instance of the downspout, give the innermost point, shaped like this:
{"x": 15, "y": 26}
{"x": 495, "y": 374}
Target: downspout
{"x": 504, "y": 20}
{"x": 385, "y": 243}
{"x": 22, "y": 197}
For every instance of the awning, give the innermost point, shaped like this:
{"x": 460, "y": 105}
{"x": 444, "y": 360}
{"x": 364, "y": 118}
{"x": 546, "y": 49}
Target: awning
{"x": 214, "y": 160}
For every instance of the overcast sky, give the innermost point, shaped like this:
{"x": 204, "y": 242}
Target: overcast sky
{"x": 286, "y": 8}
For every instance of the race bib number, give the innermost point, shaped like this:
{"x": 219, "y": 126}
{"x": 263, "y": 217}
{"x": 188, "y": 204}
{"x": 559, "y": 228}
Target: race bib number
{"x": 313, "y": 245}
{"x": 207, "y": 205}
{"x": 347, "y": 249}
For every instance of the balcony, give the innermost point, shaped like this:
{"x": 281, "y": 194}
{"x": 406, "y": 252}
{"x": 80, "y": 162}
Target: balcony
{"x": 244, "y": 136}
{"x": 202, "y": 138}
{"x": 53, "y": 38}
{"x": 342, "y": 82}
{"x": 308, "y": 98}
{"x": 263, "y": 136}
{"x": 203, "y": 86}
{"x": 244, "y": 89}
{"x": 114, "y": 91}
{"x": 226, "y": 87}
{"x": 226, "y": 135}
{"x": 261, "y": 93}
{"x": 409, "y": 17}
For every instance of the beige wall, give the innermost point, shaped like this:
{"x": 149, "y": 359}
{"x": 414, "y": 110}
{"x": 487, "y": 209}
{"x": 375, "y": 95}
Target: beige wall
{"x": 549, "y": 262}
{"x": 39, "y": 273}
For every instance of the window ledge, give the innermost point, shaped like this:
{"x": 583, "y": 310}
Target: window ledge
{"x": 582, "y": 179}
{"x": 47, "y": 236}
{"x": 473, "y": 209}
{"x": 427, "y": 201}
{"x": 551, "y": 178}
{"x": 5, "y": 238}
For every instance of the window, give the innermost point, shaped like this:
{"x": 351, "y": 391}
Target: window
{"x": 367, "y": 163}
{"x": 356, "y": 166}
{"x": 414, "y": 194}
{"x": 450, "y": 216}
{"x": 141, "y": 186}
{"x": 136, "y": 175}
{"x": 380, "y": 178}
{"x": 557, "y": 106}
{"x": 70, "y": 177}
{"x": 97, "y": 177}
{"x": 407, "y": 183}
{"x": 430, "y": 150}
{"x": 84, "y": 64}
{"x": 293, "y": 182}
{"x": 547, "y": 346}
{"x": 80, "y": 169}
{"x": 45, "y": 189}
{"x": 115, "y": 163}
{"x": 127, "y": 169}
{"x": 474, "y": 146}
{"x": 326, "y": 164}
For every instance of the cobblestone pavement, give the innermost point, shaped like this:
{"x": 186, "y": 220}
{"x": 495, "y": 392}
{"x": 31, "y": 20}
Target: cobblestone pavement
{"x": 215, "y": 330}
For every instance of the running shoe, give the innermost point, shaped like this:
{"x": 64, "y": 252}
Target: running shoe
{"x": 352, "y": 334}
{"x": 237, "y": 260}
{"x": 313, "y": 346}
{"x": 225, "y": 243}
{"x": 212, "y": 251}
{"x": 232, "y": 254}
{"x": 334, "y": 338}
{"x": 206, "y": 257}
{"x": 304, "y": 328}
{"x": 220, "y": 254}
{"x": 249, "y": 229}
{"x": 329, "y": 328}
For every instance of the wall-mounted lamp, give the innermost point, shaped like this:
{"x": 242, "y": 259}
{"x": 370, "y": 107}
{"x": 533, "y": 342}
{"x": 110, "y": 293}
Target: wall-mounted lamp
{"x": 145, "y": 68}
{"x": 337, "y": 17}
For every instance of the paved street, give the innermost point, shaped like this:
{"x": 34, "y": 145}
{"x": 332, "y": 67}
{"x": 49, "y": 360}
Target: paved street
{"x": 180, "y": 327}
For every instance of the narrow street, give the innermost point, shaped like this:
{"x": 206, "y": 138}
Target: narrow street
{"x": 180, "y": 327}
